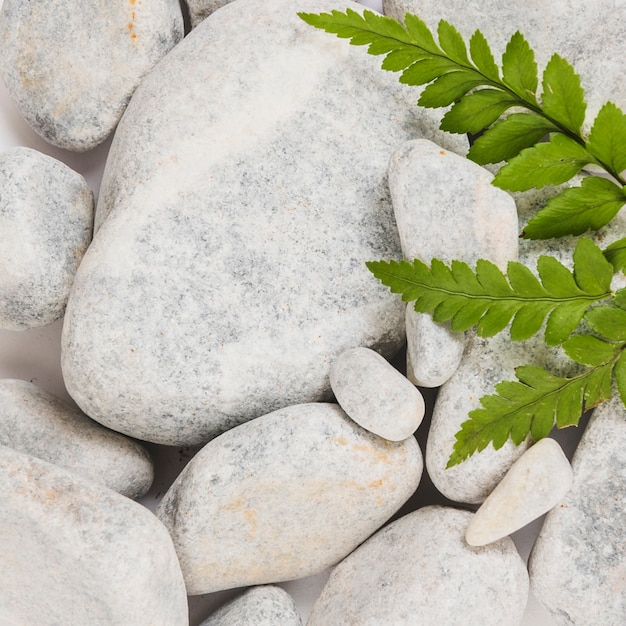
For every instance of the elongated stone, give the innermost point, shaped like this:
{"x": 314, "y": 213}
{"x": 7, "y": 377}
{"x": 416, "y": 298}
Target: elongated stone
{"x": 39, "y": 424}
{"x": 74, "y": 552}
{"x": 284, "y": 496}
{"x": 420, "y": 568}
{"x": 535, "y": 483}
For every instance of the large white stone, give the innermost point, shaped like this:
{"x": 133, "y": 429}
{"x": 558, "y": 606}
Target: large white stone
{"x": 284, "y": 496}
{"x": 74, "y": 552}
{"x": 37, "y": 423}
{"x": 536, "y": 482}
{"x": 71, "y": 66}
{"x": 46, "y": 220}
{"x": 420, "y": 570}
{"x": 244, "y": 192}
{"x": 578, "y": 564}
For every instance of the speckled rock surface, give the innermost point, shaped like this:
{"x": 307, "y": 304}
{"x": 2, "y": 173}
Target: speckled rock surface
{"x": 578, "y": 564}
{"x": 485, "y": 363}
{"x": 71, "y": 66}
{"x": 230, "y": 267}
{"x": 74, "y": 552}
{"x": 266, "y": 605}
{"x": 46, "y": 218}
{"x": 37, "y": 423}
{"x": 284, "y": 496}
{"x": 375, "y": 394}
{"x": 536, "y": 482}
{"x": 592, "y": 37}
{"x": 446, "y": 207}
{"x": 201, "y": 9}
{"x": 419, "y": 569}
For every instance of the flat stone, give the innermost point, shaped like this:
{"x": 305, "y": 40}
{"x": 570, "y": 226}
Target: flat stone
{"x": 446, "y": 207}
{"x": 419, "y": 568}
{"x": 535, "y": 483}
{"x": 578, "y": 564}
{"x": 46, "y": 219}
{"x": 72, "y": 66}
{"x": 592, "y": 38}
{"x": 37, "y": 423}
{"x": 486, "y": 362}
{"x": 229, "y": 268}
{"x": 375, "y": 394}
{"x": 266, "y": 605}
{"x": 74, "y": 552}
{"x": 284, "y": 496}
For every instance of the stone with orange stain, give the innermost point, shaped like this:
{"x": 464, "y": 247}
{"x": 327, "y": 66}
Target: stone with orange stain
{"x": 284, "y": 496}
{"x": 75, "y": 552}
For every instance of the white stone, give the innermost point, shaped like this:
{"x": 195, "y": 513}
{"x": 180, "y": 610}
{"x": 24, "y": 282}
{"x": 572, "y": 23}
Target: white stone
{"x": 375, "y": 394}
{"x": 590, "y": 35}
{"x": 229, "y": 270}
{"x": 71, "y": 66}
{"x": 266, "y": 605}
{"x": 37, "y": 423}
{"x": 578, "y": 564}
{"x": 201, "y": 9}
{"x": 535, "y": 483}
{"x": 46, "y": 219}
{"x": 74, "y": 552}
{"x": 284, "y": 496}
{"x": 419, "y": 569}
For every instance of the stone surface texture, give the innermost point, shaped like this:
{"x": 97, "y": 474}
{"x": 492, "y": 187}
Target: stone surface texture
{"x": 74, "y": 552}
{"x": 591, "y": 36}
{"x": 37, "y": 423}
{"x": 229, "y": 267}
{"x": 71, "y": 66}
{"x": 201, "y": 9}
{"x": 284, "y": 496}
{"x": 446, "y": 207}
{"x": 375, "y": 394}
{"x": 535, "y": 483}
{"x": 266, "y": 605}
{"x": 46, "y": 219}
{"x": 420, "y": 570}
{"x": 578, "y": 564}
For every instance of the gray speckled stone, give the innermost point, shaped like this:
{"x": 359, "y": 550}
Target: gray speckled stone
{"x": 578, "y": 564}
{"x": 592, "y": 37}
{"x": 446, "y": 207}
{"x": 74, "y": 552}
{"x": 284, "y": 496}
{"x": 71, "y": 66}
{"x": 266, "y": 605}
{"x": 201, "y": 9}
{"x": 485, "y": 363}
{"x": 536, "y": 482}
{"x": 229, "y": 269}
{"x": 46, "y": 218}
{"x": 375, "y": 394}
{"x": 39, "y": 424}
{"x": 420, "y": 570}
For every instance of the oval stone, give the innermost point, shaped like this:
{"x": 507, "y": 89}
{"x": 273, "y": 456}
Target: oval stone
{"x": 37, "y": 423}
{"x": 244, "y": 192}
{"x": 284, "y": 496}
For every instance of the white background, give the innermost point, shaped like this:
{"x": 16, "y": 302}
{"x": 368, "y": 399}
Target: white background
{"x": 34, "y": 356}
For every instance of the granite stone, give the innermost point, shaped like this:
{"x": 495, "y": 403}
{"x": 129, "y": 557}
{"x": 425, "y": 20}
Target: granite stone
{"x": 228, "y": 269}
{"x": 71, "y": 66}
{"x": 446, "y": 207}
{"x": 590, "y": 35}
{"x": 284, "y": 496}
{"x": 38, "y": 423}
{"x": 266, "y": 605}
{"x": 46, "y": 219}
{"x": 578, "y": 564}
{"x": 535, "y": 483}
{"x": 420, "y": 570}
{"x": 74, "y": 552}
{"x": 375, "y": 394}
